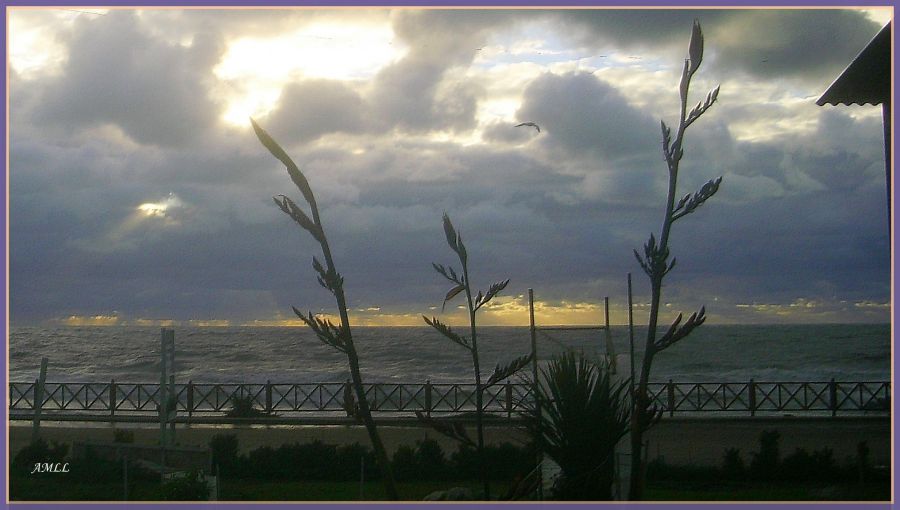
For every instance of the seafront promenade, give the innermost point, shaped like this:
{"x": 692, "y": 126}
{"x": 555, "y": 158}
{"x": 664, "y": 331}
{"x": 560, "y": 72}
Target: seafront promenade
{"x": 696, "y": 441}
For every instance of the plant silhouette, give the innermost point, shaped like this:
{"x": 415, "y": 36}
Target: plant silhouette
{"x": 461, "y": 285}
{"x": 336, "y": 336}
{"x": 583, "y": 415}
{"x": 655, "y": 260}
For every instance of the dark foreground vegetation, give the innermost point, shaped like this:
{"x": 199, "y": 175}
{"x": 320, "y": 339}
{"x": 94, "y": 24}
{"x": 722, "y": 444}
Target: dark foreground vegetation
{"x": 321, "y": 472}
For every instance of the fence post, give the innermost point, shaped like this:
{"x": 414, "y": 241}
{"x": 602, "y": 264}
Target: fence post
{"x": 670, "y": 390}
{"x": 112, "y": 397}
{"x": 832, "y": 397}
{"x": 190, "y": 399}
{"x": 39, "y": 400}
{"x": 752, "y": 389}
{"x": 268, "y": 397}
{"x": 509, "y": 400}
{"x": 428, "y": 398}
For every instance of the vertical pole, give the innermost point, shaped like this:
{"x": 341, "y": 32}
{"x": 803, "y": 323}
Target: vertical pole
{"x": 218, "y": 480}
{"x": 670, "y": 390}
{"x": 631, "y": 336}
{"x": 112, "y": 397}
{"x": 172, "y": 394}
{"x": 163, "y": 400}
{"x": 362, "y": 476}
{"x": 428, "y": 398}
{"x": 610, "y": 348}
{"x": 125, "y": 478}
{"x": 752, "y": 390}
{"x": 509, "y": 400}
{"x": 886, "y": 125}
{"x": 39, "y": 400}
{"x": 269, "y": 397}
{"x": 534, "y": 388}
{"x": 190, "y": 399}
{"x": 832, "y": 397}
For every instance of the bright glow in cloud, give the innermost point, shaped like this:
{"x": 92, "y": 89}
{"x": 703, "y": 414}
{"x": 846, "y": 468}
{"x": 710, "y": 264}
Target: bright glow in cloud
{"x": 94, "y": 320}
{"x": 161, "y": 209}
{"x": 259, "y": 67}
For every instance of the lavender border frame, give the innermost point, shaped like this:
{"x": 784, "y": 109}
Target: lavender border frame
{"x": 425, "y": 3}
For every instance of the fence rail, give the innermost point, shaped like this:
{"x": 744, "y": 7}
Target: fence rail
{"x": 288, "y": 399}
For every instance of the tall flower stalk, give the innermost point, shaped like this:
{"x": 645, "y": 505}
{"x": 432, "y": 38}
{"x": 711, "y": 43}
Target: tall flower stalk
{"x": 337, "y": 336}
{"x": 461, "y": 285}
{"x": 655, "y": 260}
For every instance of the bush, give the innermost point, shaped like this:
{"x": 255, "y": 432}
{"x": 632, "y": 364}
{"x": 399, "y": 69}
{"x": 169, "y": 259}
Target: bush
{"x": 658, "y": 469}
{"x": 87, "y": 466}
{"x": 503, "y": 462}
{"x": 348, "y": 459}
{"x": 38, "y": 451}
{"x": 764, "y": 465}
{"x": 242, "y": 407}
{"x": 191, "y": 487}
{"x": 424, "y": 462}
{"x": 319, "y": 461}
{"x": 404, "y": 463}
{"x": 123, "y": 436}
{"x": 733, "y": 467}
{"x": 803, "y": 466}
{"x": 224, "y": 448}
{"x": 584, "y": 414}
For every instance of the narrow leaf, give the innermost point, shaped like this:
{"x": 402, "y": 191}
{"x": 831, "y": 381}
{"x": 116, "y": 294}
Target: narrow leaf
{"x": 505, "y": 372}
{"x": 450, "y": 232}
{"x": 447, "y": 332}
{"x": 279, "y": 153}
{"x": 695, "y": 52}
{"x": 492, "y": 291}
{"x": 451, "y": 294}
{"x": 453, "y": 430}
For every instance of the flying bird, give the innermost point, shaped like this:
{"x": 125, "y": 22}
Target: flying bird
{"x": 532, "y": 124}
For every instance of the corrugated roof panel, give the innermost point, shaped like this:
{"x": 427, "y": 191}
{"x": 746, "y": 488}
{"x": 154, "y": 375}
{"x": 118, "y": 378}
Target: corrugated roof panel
{"x": 867, "y": 80}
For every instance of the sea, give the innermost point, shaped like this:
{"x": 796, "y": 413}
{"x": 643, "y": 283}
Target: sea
{"x": 712, "y": 353}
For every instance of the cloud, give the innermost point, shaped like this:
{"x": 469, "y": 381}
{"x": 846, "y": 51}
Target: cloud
{"x": 800, "y": 213}
{"x": 580, "y": 114}
{"x": 309, "y": 109}
{"x": 118, "y": 73}
{"x": 810, "y": 45}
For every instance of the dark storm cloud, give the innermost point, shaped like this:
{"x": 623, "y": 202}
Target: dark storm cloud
{"x": 312, "y": 108}
{"x": 783, "y": 43}
{"x": 118, "y": 73}
{"x": 414, "y": 93}
{"x": 579, "y": 113}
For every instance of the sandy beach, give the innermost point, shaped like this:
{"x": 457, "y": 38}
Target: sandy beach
{"x": 698, "y": 441}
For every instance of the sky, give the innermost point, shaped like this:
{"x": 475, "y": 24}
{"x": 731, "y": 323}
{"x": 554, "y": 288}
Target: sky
{"x": 139, "y": 194}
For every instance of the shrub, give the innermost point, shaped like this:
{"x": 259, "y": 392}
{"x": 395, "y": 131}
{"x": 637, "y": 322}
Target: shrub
{"x": 733, "y": 467}
{"x": 224, "y": 449}
{"x": 404, "y": 463}
{"x": 123, "y": 436}
{"x": 38, "y": 451}
{"x": 191, "y": 487}
{"x": 764, "y": 465}
{"x": 583, "y": 415}
{"x": 243, "y": 407}
{"x": 430, "y": 460}
{"x": 803, "y": 466}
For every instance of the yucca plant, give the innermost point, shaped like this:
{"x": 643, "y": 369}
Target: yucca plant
{"x": 461, "y": 285}
{"x": 584, "y": 414}
{"x": 337, "y": 336}
{"x": 655, "y": 261}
